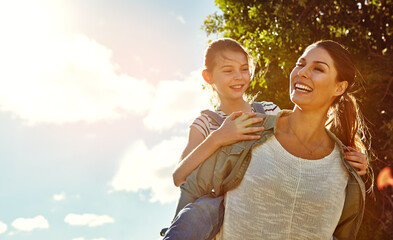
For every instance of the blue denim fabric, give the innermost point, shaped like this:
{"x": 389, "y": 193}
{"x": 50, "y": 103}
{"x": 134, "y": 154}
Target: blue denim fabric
{"x": 201, "y": 219}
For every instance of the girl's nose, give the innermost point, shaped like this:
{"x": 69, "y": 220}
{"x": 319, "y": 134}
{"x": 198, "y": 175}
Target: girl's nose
{"x": 237, "y": 75}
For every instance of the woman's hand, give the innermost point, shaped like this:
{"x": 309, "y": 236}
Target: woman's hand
{"x": 357, "y": 160}
{"x": 236, "y": 127}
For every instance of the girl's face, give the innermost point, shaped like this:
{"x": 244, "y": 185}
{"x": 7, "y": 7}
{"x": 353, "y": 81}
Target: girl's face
{"x": 313, "y": 81}
{"x": 230, "y": 76}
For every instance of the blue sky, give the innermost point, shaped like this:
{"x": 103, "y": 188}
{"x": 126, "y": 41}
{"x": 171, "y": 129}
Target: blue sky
{"x": 95, "y": 102}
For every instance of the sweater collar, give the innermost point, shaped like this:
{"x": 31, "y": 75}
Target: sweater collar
{"x": 270, "y": 123}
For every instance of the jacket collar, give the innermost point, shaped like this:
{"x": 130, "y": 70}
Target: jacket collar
{"x": 270, "y": 121}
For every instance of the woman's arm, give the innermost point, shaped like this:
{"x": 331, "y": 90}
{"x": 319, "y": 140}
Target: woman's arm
{"x": 235, "y": 128}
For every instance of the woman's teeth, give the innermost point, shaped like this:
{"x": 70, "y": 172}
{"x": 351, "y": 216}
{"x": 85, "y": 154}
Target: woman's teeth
{"x": 302, "y": 87}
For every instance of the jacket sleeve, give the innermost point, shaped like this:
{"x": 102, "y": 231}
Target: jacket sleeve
{"x": 352, "y": 214}
{"x": 198, "y": 183}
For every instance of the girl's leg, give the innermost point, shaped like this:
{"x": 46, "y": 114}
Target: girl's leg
{"x": 201, "y": 219}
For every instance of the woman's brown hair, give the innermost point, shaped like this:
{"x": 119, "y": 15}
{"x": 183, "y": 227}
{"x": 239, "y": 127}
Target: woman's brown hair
{"x": 345, "y": 119}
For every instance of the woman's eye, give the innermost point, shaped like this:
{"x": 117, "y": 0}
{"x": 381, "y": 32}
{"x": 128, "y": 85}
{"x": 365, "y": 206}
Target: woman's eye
{"x": 227, "y": 71}
{"x": 245, "y": 70}
{"x": 319, "y": 69}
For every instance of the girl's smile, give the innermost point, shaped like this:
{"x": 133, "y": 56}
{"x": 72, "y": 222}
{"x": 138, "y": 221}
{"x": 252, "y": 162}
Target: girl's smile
{"x": 230, "y": 76}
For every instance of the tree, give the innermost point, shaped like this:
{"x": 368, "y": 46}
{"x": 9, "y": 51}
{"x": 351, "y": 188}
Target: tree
{"x": 276, "y": 32}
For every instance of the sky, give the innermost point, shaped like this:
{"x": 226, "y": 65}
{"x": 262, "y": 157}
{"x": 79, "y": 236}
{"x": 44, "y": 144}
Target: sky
{"x": 95, "y": 102}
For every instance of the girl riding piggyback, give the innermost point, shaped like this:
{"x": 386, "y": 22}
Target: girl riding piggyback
{"x": 228, "y": 70}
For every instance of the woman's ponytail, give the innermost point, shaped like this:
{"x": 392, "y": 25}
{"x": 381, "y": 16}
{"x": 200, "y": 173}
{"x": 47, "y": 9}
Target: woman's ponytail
{"x": 346, "y": 122}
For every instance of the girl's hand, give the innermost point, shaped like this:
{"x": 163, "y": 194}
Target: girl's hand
{"x": 357, "y": 160}
{"x": 236, "y": 127}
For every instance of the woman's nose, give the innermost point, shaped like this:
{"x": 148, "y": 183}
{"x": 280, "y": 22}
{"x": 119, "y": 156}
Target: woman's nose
{"x": 303, "y": 72}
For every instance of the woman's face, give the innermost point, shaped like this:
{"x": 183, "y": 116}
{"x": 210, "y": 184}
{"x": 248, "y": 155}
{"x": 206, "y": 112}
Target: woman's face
{"x": 313, "y": 83}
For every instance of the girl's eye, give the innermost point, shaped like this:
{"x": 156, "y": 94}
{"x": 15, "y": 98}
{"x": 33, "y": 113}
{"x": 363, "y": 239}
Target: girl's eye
{"x": 245, "y": 70}
{"x": 227, "y": 71}
{"x": 319, "y": 69}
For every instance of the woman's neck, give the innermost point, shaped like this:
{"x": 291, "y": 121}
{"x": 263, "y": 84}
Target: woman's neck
{"x": 308, "y": 126}
{"x": 303, "y": 134}
{"x": 229, "y": 107}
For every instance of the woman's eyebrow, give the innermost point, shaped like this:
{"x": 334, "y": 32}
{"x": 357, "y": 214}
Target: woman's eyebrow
{"x": 322, "y": 63}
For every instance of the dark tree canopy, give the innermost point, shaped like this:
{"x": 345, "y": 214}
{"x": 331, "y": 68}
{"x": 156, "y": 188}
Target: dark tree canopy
{"x": 275, "y": 32}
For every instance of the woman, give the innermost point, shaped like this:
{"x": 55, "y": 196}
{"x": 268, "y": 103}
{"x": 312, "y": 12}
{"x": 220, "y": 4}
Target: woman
{"x": 293, "y": 183}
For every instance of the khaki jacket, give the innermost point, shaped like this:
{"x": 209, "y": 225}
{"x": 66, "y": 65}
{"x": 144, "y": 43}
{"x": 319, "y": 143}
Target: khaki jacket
{"x": 224, "y": 170}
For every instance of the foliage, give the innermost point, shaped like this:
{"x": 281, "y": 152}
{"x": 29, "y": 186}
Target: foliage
{"x": 276, "y": 32}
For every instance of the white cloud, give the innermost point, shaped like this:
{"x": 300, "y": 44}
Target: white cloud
{"x": 80, "y": 238}
{"x": 177, "y": 102}
{"x": 59, "y": 197}
{"x": 99, "y": 239}
{"x": 87, "y": 219}
{"x": 3, "y": 227}
{"x": 150, "y": 168}
{"x": 29, "y": 224}
{"x": 181, "y": 19}
{"x": 51, "y": 75}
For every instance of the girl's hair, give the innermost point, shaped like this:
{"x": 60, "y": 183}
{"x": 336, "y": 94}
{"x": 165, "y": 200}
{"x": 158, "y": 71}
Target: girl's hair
{"x": 345, "y": 119}
{"x": 218, "y": 46}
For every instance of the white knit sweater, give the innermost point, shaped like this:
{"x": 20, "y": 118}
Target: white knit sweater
{"x": 286, "y": 197}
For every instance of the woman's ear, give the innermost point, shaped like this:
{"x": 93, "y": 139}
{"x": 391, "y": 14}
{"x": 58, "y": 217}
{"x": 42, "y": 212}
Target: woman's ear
{"x": 341, "y": 87}
{"x": 207, "y": 76}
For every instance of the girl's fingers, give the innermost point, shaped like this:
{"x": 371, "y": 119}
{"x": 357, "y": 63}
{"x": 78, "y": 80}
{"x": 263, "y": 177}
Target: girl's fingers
{"x": 234, "y": 115}
{"x": 360, "y": 161}
{"x": 355, "y": 158}
{"x": 356, "y": 165}
{"x": 352, "y": 148}
{"x": 246, "y": 115}
{"x": 253, "y": 129}
{"x": 356, "y": 152}
{"x": 250, "y": 114}
{"x": 251, "y": 121}
{"x": 251, "y": 137}
{"x": 361, "y": 173}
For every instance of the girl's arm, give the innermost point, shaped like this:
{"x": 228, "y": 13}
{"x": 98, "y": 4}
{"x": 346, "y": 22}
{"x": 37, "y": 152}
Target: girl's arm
{"x": 357, "y": 160}
{"x": 234, "y": 129}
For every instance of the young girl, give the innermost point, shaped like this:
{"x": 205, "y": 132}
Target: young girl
{"x": 227, "y": 70}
